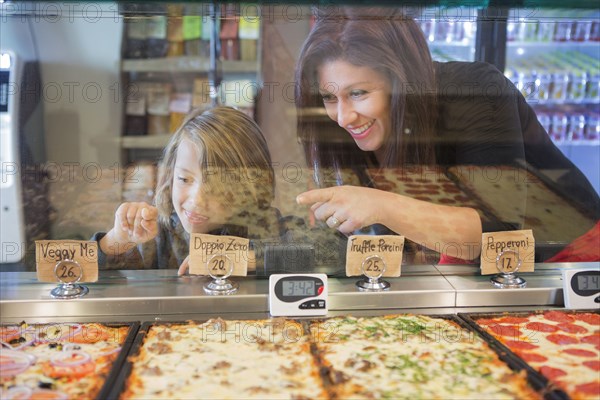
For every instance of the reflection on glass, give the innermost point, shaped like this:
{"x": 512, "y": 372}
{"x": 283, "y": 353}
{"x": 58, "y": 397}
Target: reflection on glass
{"x": 384, "y": 106}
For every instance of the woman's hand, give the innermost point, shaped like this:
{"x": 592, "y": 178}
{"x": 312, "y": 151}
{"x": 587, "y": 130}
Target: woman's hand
{"x": 135, "y": 223}
{"x": 454, "y": 231}
{"x": 345, "y": 208}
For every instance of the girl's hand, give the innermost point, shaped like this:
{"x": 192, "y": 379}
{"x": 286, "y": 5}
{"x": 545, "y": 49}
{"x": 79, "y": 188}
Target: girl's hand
{"x": 135, "y": 223}
{"x": 183, "y": 268}
{"x": 345, "y": 208}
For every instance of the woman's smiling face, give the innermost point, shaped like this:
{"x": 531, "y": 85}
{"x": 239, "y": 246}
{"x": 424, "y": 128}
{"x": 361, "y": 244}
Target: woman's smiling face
{"x": 358, "y": 98}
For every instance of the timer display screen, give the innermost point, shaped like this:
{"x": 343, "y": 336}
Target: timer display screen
{"x": 588, "y": 282}
{"x": 299, "y": 288}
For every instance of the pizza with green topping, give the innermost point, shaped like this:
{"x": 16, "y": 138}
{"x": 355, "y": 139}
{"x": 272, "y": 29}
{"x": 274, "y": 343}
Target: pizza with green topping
{"x": 412, "y": 357}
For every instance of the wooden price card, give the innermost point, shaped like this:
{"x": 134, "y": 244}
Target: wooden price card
{"x": 66, "y": 261}
{"x": 380, "y": 253}
{"x": 507, "y": 252}
{"x": 217, "y": 255}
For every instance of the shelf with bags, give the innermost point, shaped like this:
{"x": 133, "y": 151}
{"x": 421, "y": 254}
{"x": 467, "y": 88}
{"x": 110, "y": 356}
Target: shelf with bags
{"x": 183, "y": 64}
{"x": 157, "y": 142}
{"x": 167, "y": 70}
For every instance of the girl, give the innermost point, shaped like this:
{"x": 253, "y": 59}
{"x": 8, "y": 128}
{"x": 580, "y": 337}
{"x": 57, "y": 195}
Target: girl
{"x": 215, "y": 177}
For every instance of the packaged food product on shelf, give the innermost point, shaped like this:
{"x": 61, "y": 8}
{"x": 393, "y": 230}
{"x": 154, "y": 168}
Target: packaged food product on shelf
{"x": 592, "y": 130}
{"x": 157, "y": 45}
{"x": 576, "y": 130}
{"x": 135, "y": 42}
{"x": 560, "y": 123}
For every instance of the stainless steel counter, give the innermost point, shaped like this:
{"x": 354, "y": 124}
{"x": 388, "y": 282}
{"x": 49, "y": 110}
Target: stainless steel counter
{"x": 160, "y": 294}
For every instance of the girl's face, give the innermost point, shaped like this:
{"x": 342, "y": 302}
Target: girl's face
{"x": 198, "y": 211}
{"x": 358, "y": 98}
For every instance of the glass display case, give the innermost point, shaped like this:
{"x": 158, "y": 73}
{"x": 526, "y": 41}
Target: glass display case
{"x": 113, "y": 96}
{"x": 418, "y": 144}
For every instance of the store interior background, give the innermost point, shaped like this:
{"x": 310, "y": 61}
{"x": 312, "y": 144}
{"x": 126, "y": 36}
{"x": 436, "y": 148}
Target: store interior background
{"x": 80, "y": 55}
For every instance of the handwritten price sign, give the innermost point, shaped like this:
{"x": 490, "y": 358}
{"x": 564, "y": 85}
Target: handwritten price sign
{"x": 379, "y": 255}
{"x": 66, "y": 260}
{"x": 507, "y": 251}
{"x": 213, "y": 255}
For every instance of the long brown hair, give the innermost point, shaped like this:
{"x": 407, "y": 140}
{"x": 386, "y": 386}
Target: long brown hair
{"x": 235, "y": 161}
{"x": 391, "y": 44}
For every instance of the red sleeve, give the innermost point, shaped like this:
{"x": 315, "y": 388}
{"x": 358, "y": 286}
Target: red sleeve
{"x": 585, "y": 248}
{"x": 444, "y": 259}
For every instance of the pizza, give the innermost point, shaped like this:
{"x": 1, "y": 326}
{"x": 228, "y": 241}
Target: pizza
{"x": 563, "y": 346}
{"x": 516, "y": 196}
{"x": 394, "y": 357}
{"x": 422, "y": 183}
{"x": 218, "y": 359}
{"x": 412, "y": 356}
{"x": 57, "y": 361}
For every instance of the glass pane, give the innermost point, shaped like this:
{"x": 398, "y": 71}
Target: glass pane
{"x": 396, "y": 104}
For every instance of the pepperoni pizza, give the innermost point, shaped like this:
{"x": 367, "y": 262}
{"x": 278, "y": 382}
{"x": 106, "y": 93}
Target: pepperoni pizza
{"x": 531, "y": 204}
{"x": 563, "y": 346}
{"x": 421, "y": 183}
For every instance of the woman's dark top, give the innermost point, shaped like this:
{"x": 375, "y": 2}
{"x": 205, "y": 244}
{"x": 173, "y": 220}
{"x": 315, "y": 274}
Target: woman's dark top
{"x": 485, "y": 121}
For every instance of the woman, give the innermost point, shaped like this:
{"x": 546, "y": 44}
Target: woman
{"x": 371, "y": 69}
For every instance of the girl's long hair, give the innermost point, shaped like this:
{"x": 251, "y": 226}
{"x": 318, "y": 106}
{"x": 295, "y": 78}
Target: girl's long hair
{"x": 235, "y": 161}
{"x": 391, "y": 44}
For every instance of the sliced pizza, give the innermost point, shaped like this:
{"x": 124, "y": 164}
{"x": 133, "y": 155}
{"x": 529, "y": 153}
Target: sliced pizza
{"x": 57, "y": 361}
{"x": 219, "y": 359}
{"x": 412, "y": 356}
{"x": 422, "y": 183}
{"x": 563, "y": 346}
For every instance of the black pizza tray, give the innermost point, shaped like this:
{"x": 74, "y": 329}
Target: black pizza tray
{"x": 470, "y": 320}
{"x": 116, "y": 366}
{"x": 125, "y": 370}
{"x": 536, "y": 381}
{"x": 125, "y": 349}
{"x": 550, "y": 184}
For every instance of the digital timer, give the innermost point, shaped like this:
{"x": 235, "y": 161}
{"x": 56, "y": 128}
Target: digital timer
{"x": 298, "y": 294}
{"x": 581, "y": 288}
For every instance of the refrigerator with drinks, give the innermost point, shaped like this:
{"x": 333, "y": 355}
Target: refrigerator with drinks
{"x": 553, "y": 57}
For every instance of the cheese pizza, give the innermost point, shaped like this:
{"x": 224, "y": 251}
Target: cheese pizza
{"x": 57, "y": 361}
{"x": 218, "y": 359}
{"x": 412, "y": 356}
{"x": 563, "y": 346}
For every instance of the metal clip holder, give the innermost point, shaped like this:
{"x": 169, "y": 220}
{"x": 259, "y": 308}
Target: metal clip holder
{"x": 220, "y": 285}
{"x": 508, "y": 263}
{"x": 68, "y": 272}
{"x": 373, "y": 268}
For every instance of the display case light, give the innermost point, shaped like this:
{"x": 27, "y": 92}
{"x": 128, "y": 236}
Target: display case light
{"x": 4, "y": 60}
